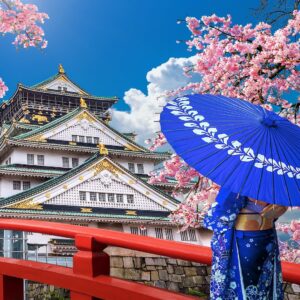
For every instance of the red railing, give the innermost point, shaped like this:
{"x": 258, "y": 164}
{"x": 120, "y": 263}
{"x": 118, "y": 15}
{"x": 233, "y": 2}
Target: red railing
{"x": 89, "y": 278}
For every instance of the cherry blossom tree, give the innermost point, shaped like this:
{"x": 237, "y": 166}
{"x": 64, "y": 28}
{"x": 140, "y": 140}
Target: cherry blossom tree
{"x": 251, "y": 62}
{"x": 22, "y": 21}
{"x": 290, "y": 248}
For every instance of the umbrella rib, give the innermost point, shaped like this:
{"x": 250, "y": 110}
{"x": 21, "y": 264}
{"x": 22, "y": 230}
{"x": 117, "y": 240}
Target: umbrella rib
{"x": 292, "y": 149}
{"x": 283, "y": 153}
{"x": 227, "y": 157}
{"x": 262, "y": 171}
{"x": 204, "y": 145}
{"x": 242, "y": 105}
{"x": 250, "y": 169}
{"x": 284, "y": 179}
{"x": 273, "y": 187}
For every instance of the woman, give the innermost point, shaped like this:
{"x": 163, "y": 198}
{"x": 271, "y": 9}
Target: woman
{"x": 246, "y": 262}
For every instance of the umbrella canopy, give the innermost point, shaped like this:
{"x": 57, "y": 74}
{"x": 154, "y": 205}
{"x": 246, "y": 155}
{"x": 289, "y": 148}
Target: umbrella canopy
{"x": 236, "y": 144}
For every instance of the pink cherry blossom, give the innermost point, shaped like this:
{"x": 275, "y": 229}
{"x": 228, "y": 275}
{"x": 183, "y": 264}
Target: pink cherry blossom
{"x": 21, "y": 20}
{"x": 296, "y": 235}
{"x": 3, "y": 88}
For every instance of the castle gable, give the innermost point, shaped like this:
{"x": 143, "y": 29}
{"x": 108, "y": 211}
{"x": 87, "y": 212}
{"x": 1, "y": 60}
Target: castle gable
{"x": 60, "y": 82}
{"x": 101, "y": 184}
{"x": 80, "y": 126}
{"x": 64, "y": 85}
{"x": 84, "y": 128}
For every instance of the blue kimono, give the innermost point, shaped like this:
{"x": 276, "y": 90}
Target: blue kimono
{"x": 246, "y": 264}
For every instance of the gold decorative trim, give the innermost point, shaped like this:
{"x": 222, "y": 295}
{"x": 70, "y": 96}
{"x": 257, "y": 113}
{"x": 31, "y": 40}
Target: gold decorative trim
{"x": 85, "y": 115}
{"x": 131, "y": 212}
{"x": 48, "y": 195}
{"x": 131, "y": 148}
{"x": 38, "y": 138}
{"x": 39, "y": 118}
{"x": 102, "y": 149}
{"x": 106, "y": 165}
{"x": 61, "y": 70}
{"x": 81, "y": 178}
{"x": 65, "y": 187}
{"x": 24, "y": 120}
{"x": 82, "y": 103}
{"x": 27, "y": 204}
{"x": 86, "y": 210}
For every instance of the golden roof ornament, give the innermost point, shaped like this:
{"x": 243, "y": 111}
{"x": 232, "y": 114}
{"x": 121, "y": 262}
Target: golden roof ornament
{"x": 61, "y": 70}
{"x": 82, "y": 103}
{"x": 102, "y": 149}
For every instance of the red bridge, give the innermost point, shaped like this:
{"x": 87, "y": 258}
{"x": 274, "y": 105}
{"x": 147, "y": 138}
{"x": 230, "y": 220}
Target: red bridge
{"x": 89, "y": 278}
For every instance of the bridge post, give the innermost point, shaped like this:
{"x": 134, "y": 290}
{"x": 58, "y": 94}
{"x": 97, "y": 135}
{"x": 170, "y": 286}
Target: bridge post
{"x": 11, "y": 288}
{"x": 90, "y": 260}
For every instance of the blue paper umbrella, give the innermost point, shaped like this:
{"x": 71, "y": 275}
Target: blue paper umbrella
{"x": 236, "y": 144}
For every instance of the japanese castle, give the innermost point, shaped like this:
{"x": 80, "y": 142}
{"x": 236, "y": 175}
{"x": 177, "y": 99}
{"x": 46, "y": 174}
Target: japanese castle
{"x": 60, "y": 160}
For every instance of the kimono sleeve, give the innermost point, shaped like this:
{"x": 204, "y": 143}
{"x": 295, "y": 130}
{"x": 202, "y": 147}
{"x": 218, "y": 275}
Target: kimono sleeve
{"x": 222, "y": 214}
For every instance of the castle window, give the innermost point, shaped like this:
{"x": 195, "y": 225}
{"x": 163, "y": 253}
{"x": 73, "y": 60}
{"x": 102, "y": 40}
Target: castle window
{"x": 65, "y": 89}
{"x": 65, "y": 162}
{"x": 110, "y": 197}
{"x": 93, "y": 196}
{"x": 130, "y": 199}
{"x": 102, "y": 197}
{"x": 74, "y": 138}
{"x": 89, "y": 139}
{"x": 143, "y": 231}
{"x": 119, "y": 198}
{"x": 30, "y": 159}
{"x": 169, "y": 234}
{"x": 184, "y": 236}
{"x": 26, "y": 185}
{"x": 192, "y": 235}
{"x": 16, "y": 185}
{"x": 159, "y": 233}
{"x": 75, "y": 162}
{"x": 134, "y": 230}
{"x": 140, "y": 168}
{"x": 59, "y": 88}
{"x": 96, "y": 140}
{"x": 81, "y": 138}
{"x": 131, "y": 167}
{"x": 82, "y": 196}
{"x": 40, "y": 160}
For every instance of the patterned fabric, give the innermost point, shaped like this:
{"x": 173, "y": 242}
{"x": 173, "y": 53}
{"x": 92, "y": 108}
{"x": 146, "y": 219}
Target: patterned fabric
{"x": 245, "y": 264}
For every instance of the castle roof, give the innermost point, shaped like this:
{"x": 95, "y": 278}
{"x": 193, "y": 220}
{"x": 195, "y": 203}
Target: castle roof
{"x": 24, "y": 202}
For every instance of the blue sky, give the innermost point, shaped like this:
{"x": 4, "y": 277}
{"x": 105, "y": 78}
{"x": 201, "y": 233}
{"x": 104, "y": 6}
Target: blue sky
{"x": 108, "y": 46}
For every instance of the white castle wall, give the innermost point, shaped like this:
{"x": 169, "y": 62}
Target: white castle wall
{"x": 148, "y": 164}
{"x": 52, "y": 158}
{"x": 6, "y": 185}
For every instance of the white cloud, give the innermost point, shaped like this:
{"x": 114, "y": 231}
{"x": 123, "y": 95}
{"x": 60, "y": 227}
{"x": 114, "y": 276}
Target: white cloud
{"x": 144, "y": 108}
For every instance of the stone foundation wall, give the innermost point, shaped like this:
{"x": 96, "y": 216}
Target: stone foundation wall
{"x": 172, "y": 274}
{"x": 39, "y": 291}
